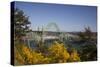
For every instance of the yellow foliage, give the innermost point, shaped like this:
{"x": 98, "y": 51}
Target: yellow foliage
{"x": 18, "y": 57}
{"x": 58, "y": 52}
{"x": 30, "y": 56}
{"x": 74, "y": 57}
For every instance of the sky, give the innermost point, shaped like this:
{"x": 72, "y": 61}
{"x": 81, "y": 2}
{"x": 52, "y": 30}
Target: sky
{"x": 69, "y": 18}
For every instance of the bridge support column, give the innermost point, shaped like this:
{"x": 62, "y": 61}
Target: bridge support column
{"x": 28, "y": 43}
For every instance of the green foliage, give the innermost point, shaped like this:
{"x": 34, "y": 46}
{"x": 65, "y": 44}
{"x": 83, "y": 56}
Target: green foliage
{"x": 89, "y": 52}
{"x": 21, "y": 23}
{"x": 86, "y": 35}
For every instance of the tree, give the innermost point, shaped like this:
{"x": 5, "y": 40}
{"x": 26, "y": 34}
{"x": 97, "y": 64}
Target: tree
{"x": 58, "y": 53}
{"x": 21, "y": 24}
{"x": 86, "y": 35}
{"x": 88, "y": 50}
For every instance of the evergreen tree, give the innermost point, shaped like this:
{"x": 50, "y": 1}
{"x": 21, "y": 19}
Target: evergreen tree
{"x": 86, "y": 35}
{"x": 21, "y": 24}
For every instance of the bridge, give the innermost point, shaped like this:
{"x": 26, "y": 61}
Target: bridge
{"x": 50, "y": 32}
